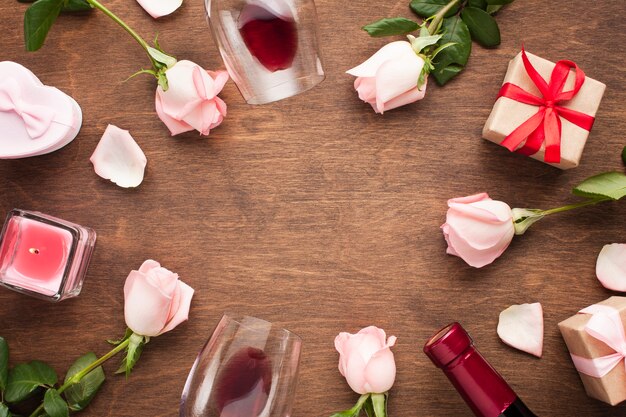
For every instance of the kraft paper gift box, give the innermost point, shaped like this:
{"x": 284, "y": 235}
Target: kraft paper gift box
{"x": 508, "y": 114}
{"x": 586, "y": 348}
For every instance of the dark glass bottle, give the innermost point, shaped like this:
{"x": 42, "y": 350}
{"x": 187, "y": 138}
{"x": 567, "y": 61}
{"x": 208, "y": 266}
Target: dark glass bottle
{"x": 480, "y": 385}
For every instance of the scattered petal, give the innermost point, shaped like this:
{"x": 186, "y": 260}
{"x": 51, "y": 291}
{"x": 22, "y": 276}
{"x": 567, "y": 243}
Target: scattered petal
{"x": 521, "y": 327}
{"x": 118, "y": 158}
{"x": 158, "y": 8}
{"x": 611, "y": 267}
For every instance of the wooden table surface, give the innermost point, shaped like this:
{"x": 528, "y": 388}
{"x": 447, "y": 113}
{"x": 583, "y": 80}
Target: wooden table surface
{"x": 314, "y": 212}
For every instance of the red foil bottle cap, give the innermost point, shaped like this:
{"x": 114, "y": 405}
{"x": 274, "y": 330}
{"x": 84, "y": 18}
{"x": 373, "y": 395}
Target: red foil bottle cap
{"x": 447, "y": 344}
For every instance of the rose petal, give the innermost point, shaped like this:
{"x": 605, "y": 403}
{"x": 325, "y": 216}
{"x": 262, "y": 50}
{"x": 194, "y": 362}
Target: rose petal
{"x": 341, "y": 341}
{"x": 175, "y": 126}
{"x": 469, "y": 199}
{"x": 118, "y": 158}
{"x": 355, "y": 373}
{"x": 158, "y": 8}
{"x": 470, "y": 221}
{"x": 477, "y": 257}
{"x": 396, "y": 77}
{"x": 380, "y": 372}
{"x": 145, "y": 306}
{"x": 410, "y": 96}
{"x": 611, "y": 267}
{"x": 366, "y": 88}
{"x": 182, "y": 309}
{"x": 390, "y": 51}
{"x": 148, "y": 265}
{"x": 521, "y": 326}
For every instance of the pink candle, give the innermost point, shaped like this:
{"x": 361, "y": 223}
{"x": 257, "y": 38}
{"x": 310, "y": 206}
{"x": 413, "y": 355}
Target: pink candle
{"x": 44, "y": 256}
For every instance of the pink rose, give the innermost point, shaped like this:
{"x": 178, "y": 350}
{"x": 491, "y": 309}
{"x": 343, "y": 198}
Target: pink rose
{"x": 388, "y": 79}
{"x": 191, "y": 100}
{"x": 156, "y": 301}
{"x": 478, "y": 229}
{"x": 366, "y": 360}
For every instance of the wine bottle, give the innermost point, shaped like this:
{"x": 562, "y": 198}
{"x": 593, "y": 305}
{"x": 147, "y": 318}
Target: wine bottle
{"x": 480, "y": 385}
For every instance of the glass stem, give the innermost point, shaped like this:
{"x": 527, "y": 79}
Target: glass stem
{"x": 585, "y": 203}
{"x": 80, "y": 375}
{"x": 131, "y": 32}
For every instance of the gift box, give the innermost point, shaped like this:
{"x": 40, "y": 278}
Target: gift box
{"x": 544, "y": 110}
{"x": 596, "y": 340}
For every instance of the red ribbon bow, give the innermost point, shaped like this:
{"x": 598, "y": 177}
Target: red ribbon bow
{"x": 545, "y": 125}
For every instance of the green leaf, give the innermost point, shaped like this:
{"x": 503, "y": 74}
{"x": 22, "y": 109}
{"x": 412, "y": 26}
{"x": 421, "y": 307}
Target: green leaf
{"x": 4, "y": 364}
{"x": 354, "y": 411}
{"x": 452, "y": 59}
{"x": 128, "y": 331}
{"x": 379, "y": 402}
{"x": 38, "y": 20}
{"x": 76, "y": 6}
{"x": 481, "y": 4}
{"x": 493, "y": 9}
{"x": 4, "y": 411}
{"x": 624, "y": 155}
{"x": 25, "y": 378}
{"x": 423, "y": 41}
{"x": 428, "y": 8}
{"x": 162, "y": 58}
{"x": 499, "y": 2}
{"x": 133, "y": 352}
{"x": 54, "y": 405}
{"x": 608, "y": 185}
{"x": 482, "y": 26}
{"x": 80, "y": 394}
{"x": 369, "y": 408}
{"x": 391, "y": 27}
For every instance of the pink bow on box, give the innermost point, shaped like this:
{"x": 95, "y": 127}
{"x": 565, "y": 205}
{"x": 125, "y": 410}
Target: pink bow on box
{"x": 37, "y": 119}
{"x": 606, "y": 326}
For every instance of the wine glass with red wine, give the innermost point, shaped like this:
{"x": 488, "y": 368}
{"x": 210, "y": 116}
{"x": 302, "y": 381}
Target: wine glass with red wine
{"x": 269, "y": 47}
{"x": 248, "y": 368}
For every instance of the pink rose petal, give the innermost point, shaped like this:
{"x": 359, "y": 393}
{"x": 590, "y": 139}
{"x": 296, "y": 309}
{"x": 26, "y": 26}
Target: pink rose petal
{"x": 118, "y": 158}
{"x": 390, "y": 51}
{"x": 611, "y": 267}
{"x": 158, "y": 8}
{"x": 521, "y": 327}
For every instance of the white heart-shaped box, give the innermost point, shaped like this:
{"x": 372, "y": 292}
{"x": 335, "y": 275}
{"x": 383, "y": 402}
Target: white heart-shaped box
{"x": 23, "y": 91}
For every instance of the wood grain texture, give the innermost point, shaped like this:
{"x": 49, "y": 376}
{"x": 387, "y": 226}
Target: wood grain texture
{"x": 314, "y": 212}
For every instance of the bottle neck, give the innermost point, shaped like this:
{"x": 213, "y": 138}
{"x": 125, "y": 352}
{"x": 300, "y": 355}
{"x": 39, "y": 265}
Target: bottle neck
{"x": 480, "y": 385}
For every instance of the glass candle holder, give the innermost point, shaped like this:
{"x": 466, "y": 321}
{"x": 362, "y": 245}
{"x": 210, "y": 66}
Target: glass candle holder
{"x": 44, "y": 256}
{"x": 248, "y": 368}
{"x": 269, "y": 47}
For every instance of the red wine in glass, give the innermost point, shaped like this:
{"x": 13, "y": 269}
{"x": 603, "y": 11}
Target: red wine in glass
{"x": 270, "y": 38}
{"x": 243, "y": 385}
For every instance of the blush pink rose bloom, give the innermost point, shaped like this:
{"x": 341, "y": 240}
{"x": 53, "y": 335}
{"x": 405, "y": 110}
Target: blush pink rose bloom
{"x": 191, "y": 100}
{"x": 155, "y": 300}
{"x": 388, "y": 79}
{"x": 478, "y": 229}
{"x": 366, "y": 360}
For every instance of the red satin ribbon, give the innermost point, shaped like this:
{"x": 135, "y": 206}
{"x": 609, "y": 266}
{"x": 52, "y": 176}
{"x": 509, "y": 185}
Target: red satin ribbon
{"x": 545, "y": 125}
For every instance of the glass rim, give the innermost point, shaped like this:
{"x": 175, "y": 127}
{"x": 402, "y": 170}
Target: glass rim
{"x": 238, "y": 318}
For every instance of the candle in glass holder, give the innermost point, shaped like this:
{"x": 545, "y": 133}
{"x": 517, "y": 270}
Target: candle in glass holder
{"x": 44, "y": 256}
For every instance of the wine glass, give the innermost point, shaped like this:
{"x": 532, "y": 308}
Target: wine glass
{"x": 248, "y": 368}
{"x": 269, "y": 47}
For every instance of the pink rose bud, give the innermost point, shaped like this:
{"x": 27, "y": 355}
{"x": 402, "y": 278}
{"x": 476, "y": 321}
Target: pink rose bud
{"x": 478, "y": 229}
{"x": 191, "y": 100}
{"x": 388, "y": 79}
{"x": 366, "y": 360}
{"x": 155, "y": 300}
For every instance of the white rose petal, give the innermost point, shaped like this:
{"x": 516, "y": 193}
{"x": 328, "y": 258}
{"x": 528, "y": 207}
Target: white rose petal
{"x": 158, "y": 8}
{"x": 118, "y": 158}
{"x": 611, "y": 267}
{"x": 521, "y": 327}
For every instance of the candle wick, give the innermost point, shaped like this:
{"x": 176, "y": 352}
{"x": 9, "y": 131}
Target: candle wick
{"x": 34, "y": 251}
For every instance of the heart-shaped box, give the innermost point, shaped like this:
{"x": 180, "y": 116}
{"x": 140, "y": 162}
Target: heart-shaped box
{"x": 35, "y": 119}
